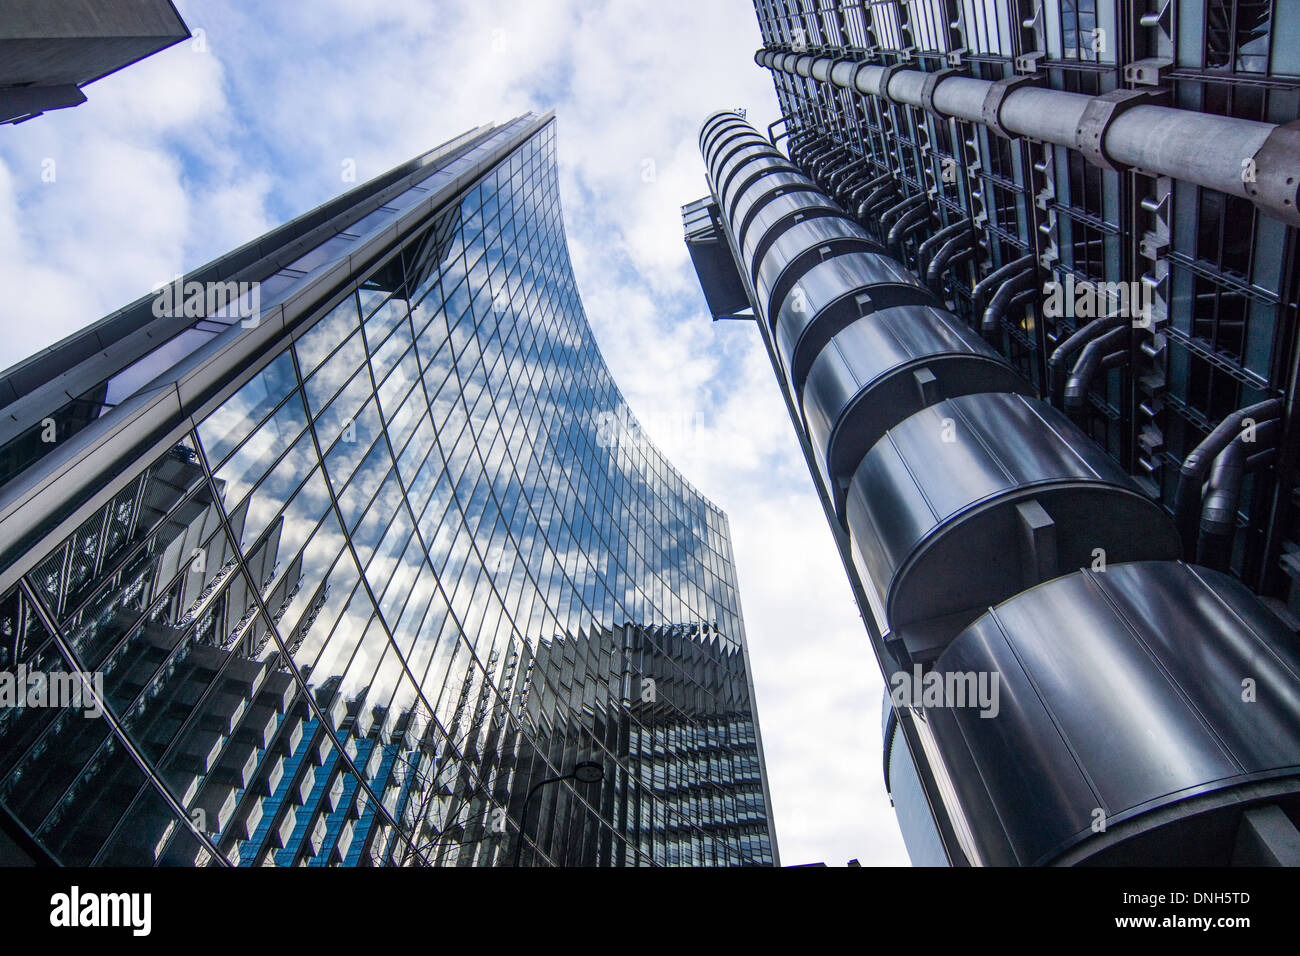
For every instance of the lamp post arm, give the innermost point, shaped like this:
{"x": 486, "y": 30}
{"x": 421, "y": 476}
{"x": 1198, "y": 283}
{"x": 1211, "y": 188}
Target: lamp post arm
{"x": 523, "y": 813}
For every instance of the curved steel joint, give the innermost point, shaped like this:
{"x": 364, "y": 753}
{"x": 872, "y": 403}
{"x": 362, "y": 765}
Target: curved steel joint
{"x": 882, "y": 194}
{"x": 936, "y": 241}
{"x": 840, "y": 174}
{"x": 1066, "y": 351}
{"x": 1191, "y": 475}
{"x": 823, "y": 163}
{"x": 1223, "y": 491}
{"x": 870, "y": 186}
{"x": 906, "y": 223}
{"x": 893, "y": 212}
{"x": 1018, "y": 282}
{"x": 1106, "y": 351}
{"x": 958, "y": 247}
{"x": 985, "y": 286}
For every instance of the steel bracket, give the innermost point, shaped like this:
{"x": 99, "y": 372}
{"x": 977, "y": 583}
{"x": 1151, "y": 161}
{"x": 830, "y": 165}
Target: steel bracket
{"x": 992, "y": 108}
{"x": 1090, "y": 136}
{"x": 932, "y": 81}
{"x": 1274, "y": 174}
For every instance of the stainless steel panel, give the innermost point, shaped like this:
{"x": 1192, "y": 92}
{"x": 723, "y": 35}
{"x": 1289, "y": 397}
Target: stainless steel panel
{"x": 752, "y": 175}
{"x": 750, "y": 201}
{"x": 733, "y": 156}
{"x": 729, "y": 142}
{"x": 714, "y": 125}
{"x": 763, "y": 229}
{"x": 864, "y": 381}
{"x": 742, "y": 164}
{"x": 771, "y": 279}
{"x": 830, "y": 281}
{"x": 932, "y": 508}
{"x": 1129, "y": 679}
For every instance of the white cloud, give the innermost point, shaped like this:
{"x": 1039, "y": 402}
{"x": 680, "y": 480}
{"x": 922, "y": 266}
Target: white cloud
{"x": 182, "y": 157}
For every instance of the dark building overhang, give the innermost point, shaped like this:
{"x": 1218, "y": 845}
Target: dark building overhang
{"x": 49, "y": 49}
{"x": 714, "y": 264}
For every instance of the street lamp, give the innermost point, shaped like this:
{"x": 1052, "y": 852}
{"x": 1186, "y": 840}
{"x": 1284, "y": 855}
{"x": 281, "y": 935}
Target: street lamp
{"x": 585, "y": 771}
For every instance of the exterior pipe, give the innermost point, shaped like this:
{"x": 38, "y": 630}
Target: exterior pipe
{"x": 907, "y": 222}
{"x": 1116, "y": 130}
{"x": 819, "y": 148}
{"x": 870, "y": 206}
{"x": 1104, "y": 352}
{"x": 1223, "y": 492}
{"x": 985, "y": 286}
{"x": 864, "y": 189}
{"x": 936, "y": 241}
{"x": 1187, "y": 494}
{"x": 823, "y": 165}
{"x": 887, "y": 217}
{"x": 1066, "y": 351}
{"x": 838, "y": 176}
{"x": 1001, "y": 301}
{"x": 959, "y": 247}
{"x": 800, "y": 136}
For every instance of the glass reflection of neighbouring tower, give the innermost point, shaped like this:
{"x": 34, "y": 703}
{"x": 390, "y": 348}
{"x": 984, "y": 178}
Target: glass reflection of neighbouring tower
{"x": 362, "y": 564}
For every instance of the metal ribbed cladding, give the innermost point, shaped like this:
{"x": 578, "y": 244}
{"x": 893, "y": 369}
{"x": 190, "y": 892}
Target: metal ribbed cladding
{"x": 724, "y": 122}
{"x": 832, "y": 294}
{"x": 747, "y": 176}
{"x": 776, "y": 183}
{"x": 714, "y": 121}
{"x": 731, "y": 160}
{"x": 933, "y": 509}
{"x": 728, "y": 146}
{"x": 779, "y": 215}
{"x": 731, "y": 139}
{"x": 1121, "y": 691}
{"x": 884, "y": 367}
{"x": 799, "y": 249}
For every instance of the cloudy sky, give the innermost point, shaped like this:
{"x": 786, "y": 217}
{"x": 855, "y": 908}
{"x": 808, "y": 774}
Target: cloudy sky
{"x": 178, "y": 159}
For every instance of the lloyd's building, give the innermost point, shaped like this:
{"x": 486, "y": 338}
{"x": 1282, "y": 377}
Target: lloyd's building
{"x": 1098, "y": 509}
{"x": 326, "y": 554}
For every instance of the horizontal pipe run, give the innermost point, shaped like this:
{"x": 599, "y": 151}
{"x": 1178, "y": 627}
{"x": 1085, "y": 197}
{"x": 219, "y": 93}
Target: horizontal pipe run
{"x": 1112, "y": 130}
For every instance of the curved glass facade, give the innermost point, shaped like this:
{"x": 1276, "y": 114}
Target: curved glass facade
{"x": 408, "y": 562}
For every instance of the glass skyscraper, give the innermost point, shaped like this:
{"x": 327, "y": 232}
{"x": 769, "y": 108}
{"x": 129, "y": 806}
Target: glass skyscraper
{"x": 329, "y": 551}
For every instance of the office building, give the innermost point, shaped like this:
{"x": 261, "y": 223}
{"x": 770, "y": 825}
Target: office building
{"x": 50, "y": 49}
{"x": 1027, "y": 275}
{"x": 340, "y": 534}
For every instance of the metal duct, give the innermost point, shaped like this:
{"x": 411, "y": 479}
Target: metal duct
{"x": 1121, "y": 702}
{"x": 1120, "y": 129}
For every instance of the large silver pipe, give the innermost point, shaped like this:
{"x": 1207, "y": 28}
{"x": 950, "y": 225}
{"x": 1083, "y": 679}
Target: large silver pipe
{"x": 1257, "y": 161}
